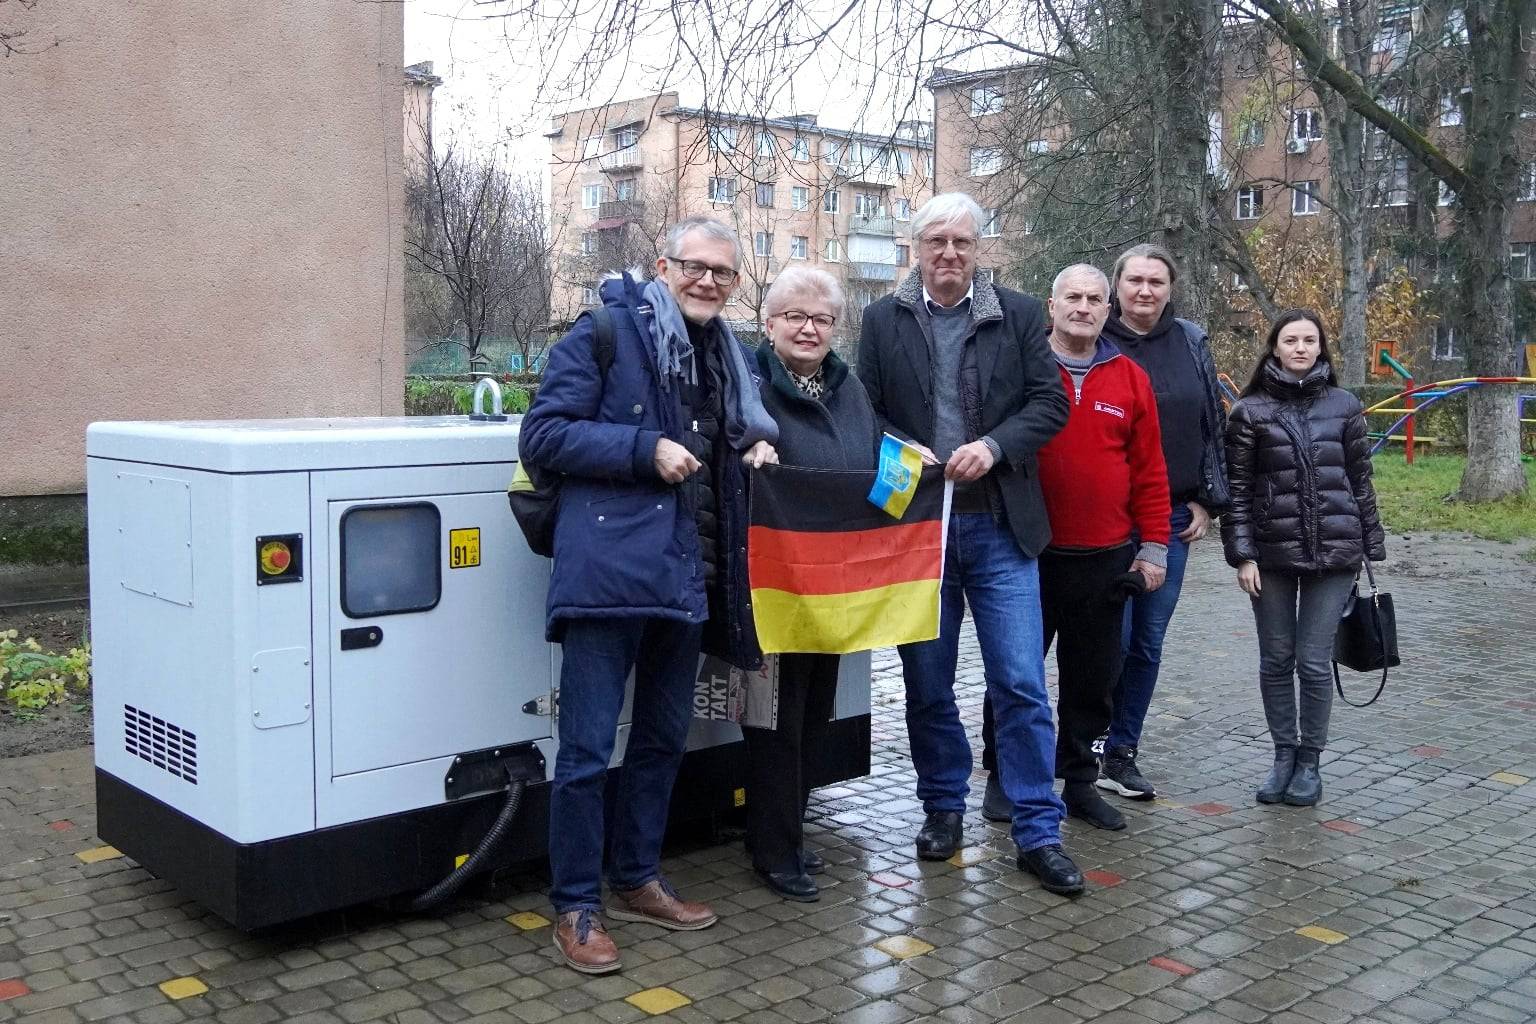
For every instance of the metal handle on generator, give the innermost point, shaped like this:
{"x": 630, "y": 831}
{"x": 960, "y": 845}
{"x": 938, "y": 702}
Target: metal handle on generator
{"x": 487, "y": 386}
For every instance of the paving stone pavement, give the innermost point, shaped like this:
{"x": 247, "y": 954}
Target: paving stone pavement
{"x": 1408, "y": 895}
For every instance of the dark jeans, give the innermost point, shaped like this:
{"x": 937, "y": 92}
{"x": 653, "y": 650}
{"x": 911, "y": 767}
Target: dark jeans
{"x": 777, "y": 782}
{"x": 597, "y": 657}
{"x": 984, "y": 566}
{"x": 1297, "y": 618}
{"x": 1079, "y": 611}
{"x": 1141, "y": 642}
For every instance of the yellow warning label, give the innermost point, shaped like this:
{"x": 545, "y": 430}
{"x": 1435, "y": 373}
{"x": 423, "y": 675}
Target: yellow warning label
{"x": 458, "y": 861}
{"x": 739, "y": 798}
{"x": 275, "y": 558}
{"x": 464, "y": 548}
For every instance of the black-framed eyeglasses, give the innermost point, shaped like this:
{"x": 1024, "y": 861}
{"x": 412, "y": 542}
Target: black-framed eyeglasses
{"x": 693, "y": 270}
{"x": 796, "y": 318}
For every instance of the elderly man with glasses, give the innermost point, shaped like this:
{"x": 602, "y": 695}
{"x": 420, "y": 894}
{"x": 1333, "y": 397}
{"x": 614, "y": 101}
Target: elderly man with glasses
{"x": 650, "y": 437}
{"x": 961, "y": 368}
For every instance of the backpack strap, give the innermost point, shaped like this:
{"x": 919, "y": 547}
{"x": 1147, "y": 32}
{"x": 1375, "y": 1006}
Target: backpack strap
{"x": 603, "y": 347}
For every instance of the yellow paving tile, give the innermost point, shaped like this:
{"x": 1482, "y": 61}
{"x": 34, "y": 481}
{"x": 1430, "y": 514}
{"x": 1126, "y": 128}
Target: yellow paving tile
{"x": 903, "y": 947}
{"x": 969, "y": 855}
{"x": 656, "y": 1001}
{"x": 1160, "y": 802}
{"x": 528, "y": 920}
{"x": 1321, "y": 934}
{"x": 181, "y": 988}
{"x": 100, "y": 853}
{"x": 1509, "y": 778}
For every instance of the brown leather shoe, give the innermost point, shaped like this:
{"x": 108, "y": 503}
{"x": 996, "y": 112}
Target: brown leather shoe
{"x": 658, "y": 903}
{"x": 584, "y": 944}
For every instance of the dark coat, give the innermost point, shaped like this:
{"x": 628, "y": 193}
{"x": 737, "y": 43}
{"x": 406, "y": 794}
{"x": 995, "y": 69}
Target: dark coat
{"x": 626, "y": 543}
{"x": 837, "y": 431}
{"x": 1022, "y": 404}
{"x": 1299, "y": 463}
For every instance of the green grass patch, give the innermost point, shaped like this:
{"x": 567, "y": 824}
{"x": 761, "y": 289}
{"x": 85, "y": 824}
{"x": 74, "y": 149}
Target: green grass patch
{"x": 1420, "y": 497}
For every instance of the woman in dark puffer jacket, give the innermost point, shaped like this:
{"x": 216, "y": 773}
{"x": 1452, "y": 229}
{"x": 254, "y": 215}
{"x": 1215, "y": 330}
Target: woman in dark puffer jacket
{"x": 1302, "y": 521}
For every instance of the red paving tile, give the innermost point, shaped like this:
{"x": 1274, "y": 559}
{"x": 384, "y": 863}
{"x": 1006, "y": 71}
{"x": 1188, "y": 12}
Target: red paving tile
{"x": 1349, "y": 828}
{"x": 61, "y": 826}
{"x": 1173, "y": 966}
{"x": 12, "y": 989}
{"x": 1428, "y": 751}
{"x": 890, "y": 881}
{"x": 1211, "y": 808}
{"x": 1104, "y": 878}
{"x": 1523, "y": 705}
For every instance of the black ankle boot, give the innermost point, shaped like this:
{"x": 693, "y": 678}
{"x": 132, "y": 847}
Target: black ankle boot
{"x": 1306, "y": 785}
{"x": 1273, "y": 790}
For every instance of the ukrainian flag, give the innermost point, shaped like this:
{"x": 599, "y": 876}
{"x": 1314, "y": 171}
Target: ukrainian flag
{"x": 900, "y": 467}
{"x": 832, "y": 575}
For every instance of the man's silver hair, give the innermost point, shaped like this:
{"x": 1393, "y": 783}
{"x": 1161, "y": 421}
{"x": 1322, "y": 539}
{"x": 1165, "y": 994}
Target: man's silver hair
{"x": 706, "y": 226}
{"x": 1073, "y": 271}
{"x": 947, "y": 208}
{"x": 801, "y": 282}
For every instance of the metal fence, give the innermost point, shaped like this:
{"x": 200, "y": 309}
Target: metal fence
{"x": 429, "y": 356}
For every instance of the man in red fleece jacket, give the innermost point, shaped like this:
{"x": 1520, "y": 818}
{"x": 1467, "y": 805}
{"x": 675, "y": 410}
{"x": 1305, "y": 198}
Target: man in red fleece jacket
{"x": 1106, "y": 488}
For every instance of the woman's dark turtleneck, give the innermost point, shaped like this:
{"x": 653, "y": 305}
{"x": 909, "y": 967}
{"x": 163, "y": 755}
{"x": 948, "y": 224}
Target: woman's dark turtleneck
{"x": 1164, "y": 353}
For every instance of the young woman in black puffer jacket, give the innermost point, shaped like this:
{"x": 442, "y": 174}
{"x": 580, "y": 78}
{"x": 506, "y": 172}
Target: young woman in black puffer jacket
{"x": 1302, "y": 520}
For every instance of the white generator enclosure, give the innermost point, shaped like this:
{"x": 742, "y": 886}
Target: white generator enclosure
{"x": 319, "y": 657}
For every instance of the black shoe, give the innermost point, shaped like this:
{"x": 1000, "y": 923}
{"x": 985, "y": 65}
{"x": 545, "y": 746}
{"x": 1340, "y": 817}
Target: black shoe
{"x": 790, "y": 885}
{"x": 1054, "y": 868}
{"x": 1273, "y": 790}
{"x": 995, "y": 805}
{"x": 1119, "y": 774}
{"x": 1306, "y": 785}
{"x": 941, "y": 835}
{"x": 811, "y": 862}
{"x": 1083, "y": 801}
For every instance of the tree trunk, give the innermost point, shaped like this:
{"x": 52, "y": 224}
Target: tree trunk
{"x": 1349, "y": 187}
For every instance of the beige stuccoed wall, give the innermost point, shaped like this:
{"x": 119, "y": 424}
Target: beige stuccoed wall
{"x": 200, "y": 210}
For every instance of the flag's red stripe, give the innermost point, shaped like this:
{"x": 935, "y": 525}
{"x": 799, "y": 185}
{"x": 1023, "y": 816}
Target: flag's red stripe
{"x": 844, "y": 563}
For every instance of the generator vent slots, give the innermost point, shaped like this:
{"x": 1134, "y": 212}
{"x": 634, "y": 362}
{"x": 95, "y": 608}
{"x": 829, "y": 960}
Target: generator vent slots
{"x": 160, "y": 743}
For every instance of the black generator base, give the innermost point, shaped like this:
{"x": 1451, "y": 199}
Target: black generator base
{"x": 256, "y": 885}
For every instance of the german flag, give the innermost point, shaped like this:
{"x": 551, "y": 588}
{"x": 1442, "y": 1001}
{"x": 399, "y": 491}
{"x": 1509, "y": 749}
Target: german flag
{"x": 831, "y": 573}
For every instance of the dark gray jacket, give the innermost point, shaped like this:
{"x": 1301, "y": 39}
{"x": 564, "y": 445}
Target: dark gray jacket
{"x": 838, "y": 431}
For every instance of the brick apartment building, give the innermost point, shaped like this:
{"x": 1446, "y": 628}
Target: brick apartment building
{"x": 796, "y": 192}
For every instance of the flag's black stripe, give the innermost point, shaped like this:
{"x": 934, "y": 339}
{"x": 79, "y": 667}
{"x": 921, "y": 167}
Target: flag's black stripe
{"x": 831, "y": 500}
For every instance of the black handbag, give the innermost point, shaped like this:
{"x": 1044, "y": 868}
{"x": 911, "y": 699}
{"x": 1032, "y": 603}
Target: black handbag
{"x": 1367, "y": 637}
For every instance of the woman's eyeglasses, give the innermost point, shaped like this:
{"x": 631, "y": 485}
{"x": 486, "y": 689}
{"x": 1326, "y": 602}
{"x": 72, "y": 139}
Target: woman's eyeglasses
{"x": 797, "y": 318}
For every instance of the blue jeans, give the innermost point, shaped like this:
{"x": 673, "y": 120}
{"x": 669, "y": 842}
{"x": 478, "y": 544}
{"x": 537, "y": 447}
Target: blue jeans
{"x": 983, "y": 565}
{"x": 598, "y": 655}
{"x": 1141, "y": 640}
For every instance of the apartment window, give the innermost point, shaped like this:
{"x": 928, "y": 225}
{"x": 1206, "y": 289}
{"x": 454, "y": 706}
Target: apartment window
{"x": 625, "y": 189}
{"x": 903, "y": 162}
{"x": 903, "y": 209}
{"x": 1455, "y": 27}
{"x": 1251, "y": 54}
{"x": 832, "y": 151}
{"x": 986, "y": 275}
{"x": 799, "y": 197}
{"x": 800, "y": 149}
{"x": 1445, "y": 343}
{"x": 986, "y": 160}
{"x": 834, "y": 251}
{"x": 767, "y": 145}
{"x": 866, "y": 204}
{"x": 903, "y": 255}
{"x": 591, "y": 146}
{"x": 1522, "y": 261}
{"x": 626, "y": 137}
{"x": 799, "y": 247}
{"x": 1036, "y": 147}
{"x": 722, "y": 190}
{"x": 1307, "y": 125}
{"x": 762, "y": 243}
{"x": 589, "y": 295}
{"x": 591, "y": 196}
{"x": 1527, "y": 186}
{"x": 588, "y": 243}
{"x": 832, "y": 201}
{"x": 722, "y": 139}
{"x": 1450, "y": 107}
{"x": 994, "y": 225}
{"x": 764, "y": 195}
{"x": 1213, "y": 149}
{"x": 1304, "y": 198}
{"x": 986, "y": 99}
{"x": 1447, "y": 194}
{"x": 1031, "y": 224}
{"x": 1250, "y": 134}
{"x": 928, "y": 165}
{"x": 1391, "y": 182}
{"x": 1250, "y": 202}
{"x": 1395, "y": 36}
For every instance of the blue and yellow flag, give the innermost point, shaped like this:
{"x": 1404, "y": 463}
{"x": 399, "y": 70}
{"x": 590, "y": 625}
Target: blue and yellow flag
{"x": 896, "y": 481}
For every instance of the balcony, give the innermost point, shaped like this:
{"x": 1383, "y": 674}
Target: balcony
{"x": 874, "y": 174}
{"x": 861, "y": 271}
{"x": 876, "y": 224}
{"x": 620, "y": 209}
{"x": 625, "y": 159}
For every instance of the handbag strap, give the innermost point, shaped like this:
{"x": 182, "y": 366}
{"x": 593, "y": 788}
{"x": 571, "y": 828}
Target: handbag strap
{"x": 1381, "y": 643}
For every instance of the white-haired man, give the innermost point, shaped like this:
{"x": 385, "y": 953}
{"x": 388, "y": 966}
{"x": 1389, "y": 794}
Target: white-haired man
{"x": 962, "y": 368}
{"x": 648, "y": 543}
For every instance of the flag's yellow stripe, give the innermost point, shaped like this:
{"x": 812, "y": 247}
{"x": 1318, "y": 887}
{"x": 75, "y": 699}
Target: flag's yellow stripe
{"x": 900, "y": 613}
